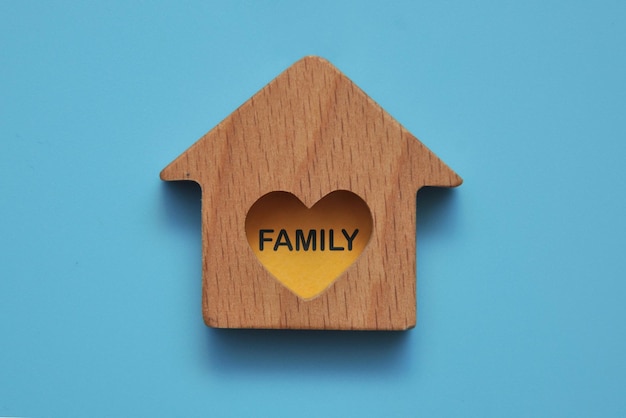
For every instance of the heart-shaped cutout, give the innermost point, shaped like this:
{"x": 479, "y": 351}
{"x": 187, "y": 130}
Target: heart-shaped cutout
{"x": 307, "y": 249}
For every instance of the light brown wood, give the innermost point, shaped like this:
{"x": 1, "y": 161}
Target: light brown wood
{"x": 310, "y": 132}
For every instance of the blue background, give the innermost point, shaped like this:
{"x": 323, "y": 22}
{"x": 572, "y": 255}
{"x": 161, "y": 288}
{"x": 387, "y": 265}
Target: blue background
{"x": 520, "y": 270}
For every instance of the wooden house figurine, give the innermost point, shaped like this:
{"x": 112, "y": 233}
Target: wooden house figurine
{"x": 308, "y": 207}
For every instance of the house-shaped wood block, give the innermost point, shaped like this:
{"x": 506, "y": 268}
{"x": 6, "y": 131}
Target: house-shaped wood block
{"x": 308, "y": 207}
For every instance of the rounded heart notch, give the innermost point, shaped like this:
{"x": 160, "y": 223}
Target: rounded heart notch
{"x": 306, "y": 250}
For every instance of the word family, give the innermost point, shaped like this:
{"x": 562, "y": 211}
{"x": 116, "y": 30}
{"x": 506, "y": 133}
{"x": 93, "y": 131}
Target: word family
{"x": 313, "y": 240}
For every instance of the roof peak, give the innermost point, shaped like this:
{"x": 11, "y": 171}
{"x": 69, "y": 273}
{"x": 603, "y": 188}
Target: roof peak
{"x": 309, "y": 115}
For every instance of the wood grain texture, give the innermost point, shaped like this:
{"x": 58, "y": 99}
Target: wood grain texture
{"x": 309, "y": 132}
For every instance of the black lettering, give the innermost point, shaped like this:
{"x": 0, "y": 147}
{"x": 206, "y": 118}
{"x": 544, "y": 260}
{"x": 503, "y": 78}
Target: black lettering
{"x": 331, "y": 241}
{"x": 310, "y": 241}
{"x": 283, "y": 239}
{"x": 262, "y": 239}
{"x": 350, "y": 238}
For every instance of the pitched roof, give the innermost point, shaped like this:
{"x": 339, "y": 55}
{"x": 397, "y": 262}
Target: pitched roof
{"x": 311, "y": 117}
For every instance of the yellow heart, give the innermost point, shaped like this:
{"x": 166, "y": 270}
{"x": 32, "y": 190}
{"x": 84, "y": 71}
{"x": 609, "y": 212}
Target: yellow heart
{"x": 308, "y": 249}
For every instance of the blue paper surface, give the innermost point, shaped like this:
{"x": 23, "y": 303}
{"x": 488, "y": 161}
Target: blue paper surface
{"x": 520, "y": 270}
